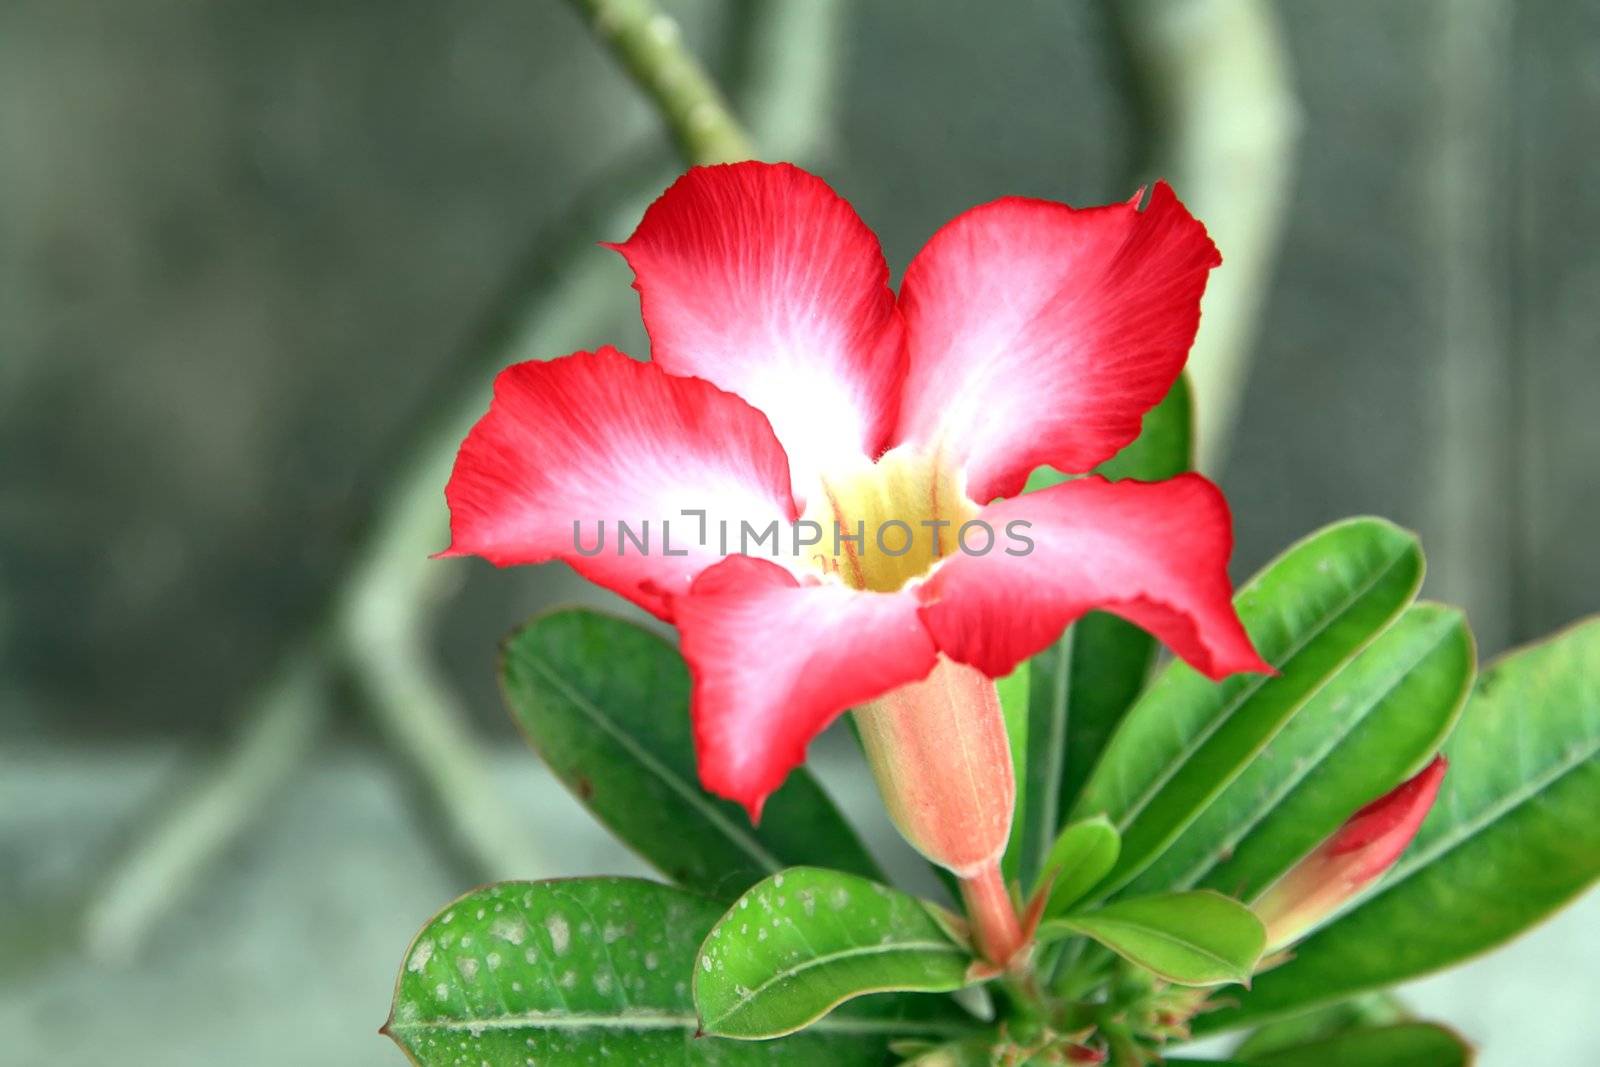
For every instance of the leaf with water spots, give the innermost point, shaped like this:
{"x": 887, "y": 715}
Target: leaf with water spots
{"x": 802, "y": 942}
{"x": 606, "y": 703}
{"x": 597, "y": 971}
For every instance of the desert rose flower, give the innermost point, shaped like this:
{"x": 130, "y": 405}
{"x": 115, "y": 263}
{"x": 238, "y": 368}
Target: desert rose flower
{"x": 790, "y": 392}
{"x": 1362, "y": 849}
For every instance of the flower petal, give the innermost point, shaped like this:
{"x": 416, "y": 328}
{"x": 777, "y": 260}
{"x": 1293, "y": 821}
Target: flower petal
{"x": 601, "y": 438}
{"x": 775, "y": 661}
{"x": 760, "y": 278}
{"x": 1155, "y": 553}
{"x": 1042, "y": 334}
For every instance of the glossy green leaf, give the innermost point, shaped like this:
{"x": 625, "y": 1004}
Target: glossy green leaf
{"x": 1082, "y": 686}
{"x": 597, "y": 971}
{"x": 1399, "y": 1045}
{"x": 1370, "y": 727}
{"x": 1512, "y": 837}
{"x": 1165, "y": 445}
{"x": 1017, "y": 863}
{"x": 1188, "y": 738}
{"x": 1330, "y": 1020}
{"x": 1163, "y": 449}
{"x": 1195, "y": 938}
{"x": 805, "y": 940}
{"x": 606, "y": 703}
{"x": 973, "y": 1052}
{"x": 1083, "y": 854}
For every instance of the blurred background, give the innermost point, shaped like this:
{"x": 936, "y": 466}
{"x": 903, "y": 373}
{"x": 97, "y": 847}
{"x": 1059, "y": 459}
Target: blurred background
{"x": 258, "y": 261}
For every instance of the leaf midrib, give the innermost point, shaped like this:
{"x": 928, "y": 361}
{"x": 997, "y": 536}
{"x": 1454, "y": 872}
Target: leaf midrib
{"x": 855, "y": 952}
{"x": 719, "y": 821}
{"x": 1248, "y": 693}
{"x": 1492, "y": 814}
{"x": 1404, "y": 872}
{"x": 1208, "y": 862}
{"x": 630, "y": 1020}
{"x": 1158, "y": 934}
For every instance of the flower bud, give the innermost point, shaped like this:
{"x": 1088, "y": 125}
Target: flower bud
{"x": 1363, "y": 848}
{"x": 939, "y": 751}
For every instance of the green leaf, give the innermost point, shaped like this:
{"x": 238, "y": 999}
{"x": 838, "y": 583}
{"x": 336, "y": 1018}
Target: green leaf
{"x": 1512, "y": 837}
{"x": 1195, "y": 938}
{"x": 596, "y": 971}
{"x": 1188, "y": 738}
{"x": 1330, "y": 1020}
{"x": 606, "y": 703}
{"x": 1017, "y": 864}
{"x": 973, "y": 1052}
{"x": 1165, "y": 445}
{"x": 1105, "y": 662}
{"x": 1083, "y": 854}
{"x": 1163, "y": 449}
{"x": 1082, "y": 686}
{"x": 806, "y": 940}
{"x": 1371, "y": 726}
{"x": 1399, "y": 1045}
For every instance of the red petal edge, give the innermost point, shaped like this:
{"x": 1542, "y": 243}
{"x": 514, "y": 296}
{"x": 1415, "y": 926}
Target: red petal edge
{"x": 1155, "y": 553}
{"x": 599, "y": 437}
{"x": 774, "y": 661}
{"x": 1041, "y": 334}
{"x": 762, "y": 279}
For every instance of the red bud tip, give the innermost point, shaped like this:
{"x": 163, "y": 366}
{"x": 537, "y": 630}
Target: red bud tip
{"x": 1378, "y": 833}
{"x": 1366, "y": 846}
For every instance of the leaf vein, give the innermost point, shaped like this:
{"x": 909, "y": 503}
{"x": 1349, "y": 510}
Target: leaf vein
{"x": 748, "y": 843}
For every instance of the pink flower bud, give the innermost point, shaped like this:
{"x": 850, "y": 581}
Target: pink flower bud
{"x": 1363, "y": 848}
{"x": 938, "y": 749}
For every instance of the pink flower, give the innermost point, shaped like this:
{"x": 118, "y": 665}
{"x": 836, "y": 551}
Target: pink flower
{"x": 789, "y": 385}
{"x": 1366, "y": 846}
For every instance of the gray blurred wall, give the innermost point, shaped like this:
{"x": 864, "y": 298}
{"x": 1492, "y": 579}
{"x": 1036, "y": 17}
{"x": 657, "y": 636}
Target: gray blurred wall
{"x": 245, "y": 245}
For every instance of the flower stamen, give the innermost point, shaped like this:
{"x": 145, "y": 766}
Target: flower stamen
{"x": 887, "y": 524}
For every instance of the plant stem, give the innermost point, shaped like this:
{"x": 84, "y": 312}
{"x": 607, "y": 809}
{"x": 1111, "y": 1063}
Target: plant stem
{"x": 648, "y": 43}
{"x": 993, "y": 916}
{"x": 210, "y": 813}
{"x": 1472, "y": 379}
{"x": 387, "y": 599}
{"x": 1210, "y": 82}
{"x": 567, "y": 293}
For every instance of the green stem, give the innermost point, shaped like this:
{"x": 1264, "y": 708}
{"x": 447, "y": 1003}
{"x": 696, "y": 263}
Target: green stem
{"x": 1125, "y": 1051}
{"x": 211, "y": 811}
{"x": 649, "y": 44}
{"x": 1213, "y": 95}
{"x": 566, "y": 293}
{"x": 1081, "y": 968}
{"x": 994, "y": 919}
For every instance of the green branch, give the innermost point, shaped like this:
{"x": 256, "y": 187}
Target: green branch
{"x": 1212, "y": 93}
{"x": 377, "y": 618}
{"x": 649, "y": 44}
